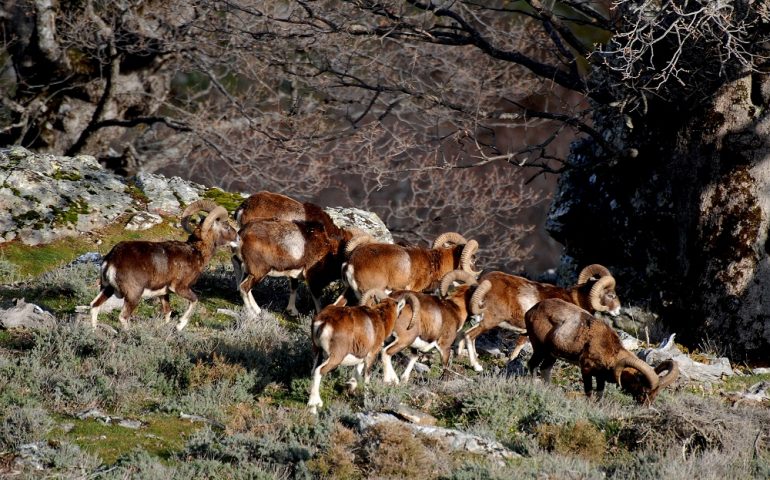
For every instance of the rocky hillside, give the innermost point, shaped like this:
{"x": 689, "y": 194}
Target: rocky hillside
{"x": 226, "y": 397}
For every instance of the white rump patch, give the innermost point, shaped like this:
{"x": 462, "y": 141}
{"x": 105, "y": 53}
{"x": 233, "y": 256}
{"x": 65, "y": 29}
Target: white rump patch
{"x": 323, "y": 338}
{"x": 111, "y": 276}
{"x": 527, "y": 298}
{"x": 294, "y": 243}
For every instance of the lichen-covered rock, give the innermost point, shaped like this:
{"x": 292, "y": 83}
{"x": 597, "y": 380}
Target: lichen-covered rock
{"x": 369, "y": 222}
{"x": 143, "y": 221}
{"x": 44, "y": 197}
{"x": 27, "y": 315}
{"x": 454, "y": 439}
{"x": 168, "y": 195}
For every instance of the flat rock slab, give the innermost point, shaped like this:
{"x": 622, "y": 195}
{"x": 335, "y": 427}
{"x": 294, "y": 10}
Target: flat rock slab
{"x": 454, "y": 439}
{"x": 26, "y": 315}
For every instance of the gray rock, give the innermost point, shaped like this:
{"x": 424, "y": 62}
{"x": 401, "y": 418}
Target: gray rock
{"x": 516, "y": 368}
{"x": 132, "y": 424}
{"x": 454, "y": 439}
{"x": 143, "y": 221}
{"x": 44, "y": 197}
{"x": 88, "y": 258}
{"x": 413, "y": 415}
{"x": 369, "y": 222}
{"x": 634, "y": 320}
{"x": 757, "y": 393}
{"x": 165, "y": 194}
{"x": 31, "y": 455}
{"x": 420, "y": 367}
{"x": 94, "y": 413}
{"x": 198, "y": 418}
{"x": 760, "y": 371}
{"x": 27, "y": 315}
{"x": 629, "y": 341}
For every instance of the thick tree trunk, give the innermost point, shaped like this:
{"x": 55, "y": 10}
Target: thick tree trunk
{"x": 685, "y": 223}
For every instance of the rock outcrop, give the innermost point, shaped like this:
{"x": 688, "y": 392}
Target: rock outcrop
{"x": 45, "y": 197}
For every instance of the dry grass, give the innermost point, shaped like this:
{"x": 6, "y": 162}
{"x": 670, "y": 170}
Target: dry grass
{"x": 582, "y": 439}
{"x": 339, "y": 460}
{"x": 392, "y": 451}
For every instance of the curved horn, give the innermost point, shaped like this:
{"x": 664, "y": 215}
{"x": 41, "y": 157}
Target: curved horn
{"x": 671, "y": 376}
{"x": 414, "y": 302}
{"x": 454, "y": 276}
{"x": 376, "y": 293}
{"x": 465, "y": 258}
{"x": 356, "y": 241}
{"x": 219, "y": 213}
{"x": 592, "y": 270}
{"x": 594, "y": 296}
{"x": 477, "y": 299}
{"x": 193, "y": 208}
{"x": 634, "y": 362}
{"x": 448, "y": 237}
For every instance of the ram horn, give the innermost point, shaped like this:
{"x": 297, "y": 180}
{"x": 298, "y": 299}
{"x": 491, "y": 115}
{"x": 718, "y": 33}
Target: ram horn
{"x": 477, "y": 299}
{"x": 466, "y": 257}
{"x": 455, "y": 276}
{"x": 193, "y": 208}
{"x": 594, "y": 296}
{"x": 414, "y": 302}
{"x": 357, "y": 241}
{"x": 449, "y": 237}
{"x": 374, "y": 293}
{"x": 673, "y": 373}
{"x": 590, "y": 271}
{"x": 217, "y": 214}
{"x": 671, "y": 376}
{"x": 633, "y": 362}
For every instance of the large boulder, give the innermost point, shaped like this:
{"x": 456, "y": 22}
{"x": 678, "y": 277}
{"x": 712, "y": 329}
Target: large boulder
{"x": 369, "y": 222}
{"x": 45, "y": 197}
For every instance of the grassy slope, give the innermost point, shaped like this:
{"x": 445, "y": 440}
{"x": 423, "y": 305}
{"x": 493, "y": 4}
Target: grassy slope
{"x": 250, "y": 378}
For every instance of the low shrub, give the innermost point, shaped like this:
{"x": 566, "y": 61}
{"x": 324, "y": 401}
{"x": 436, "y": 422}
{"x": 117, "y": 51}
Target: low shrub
{"x": 580, "y": 438}
{"x": 22, "y": 425}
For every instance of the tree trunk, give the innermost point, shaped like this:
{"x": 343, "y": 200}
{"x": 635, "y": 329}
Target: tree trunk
{"x": 683, "y": 224}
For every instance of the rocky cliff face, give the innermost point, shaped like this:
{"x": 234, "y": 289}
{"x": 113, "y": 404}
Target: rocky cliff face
{"x": 46, "y": 197}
